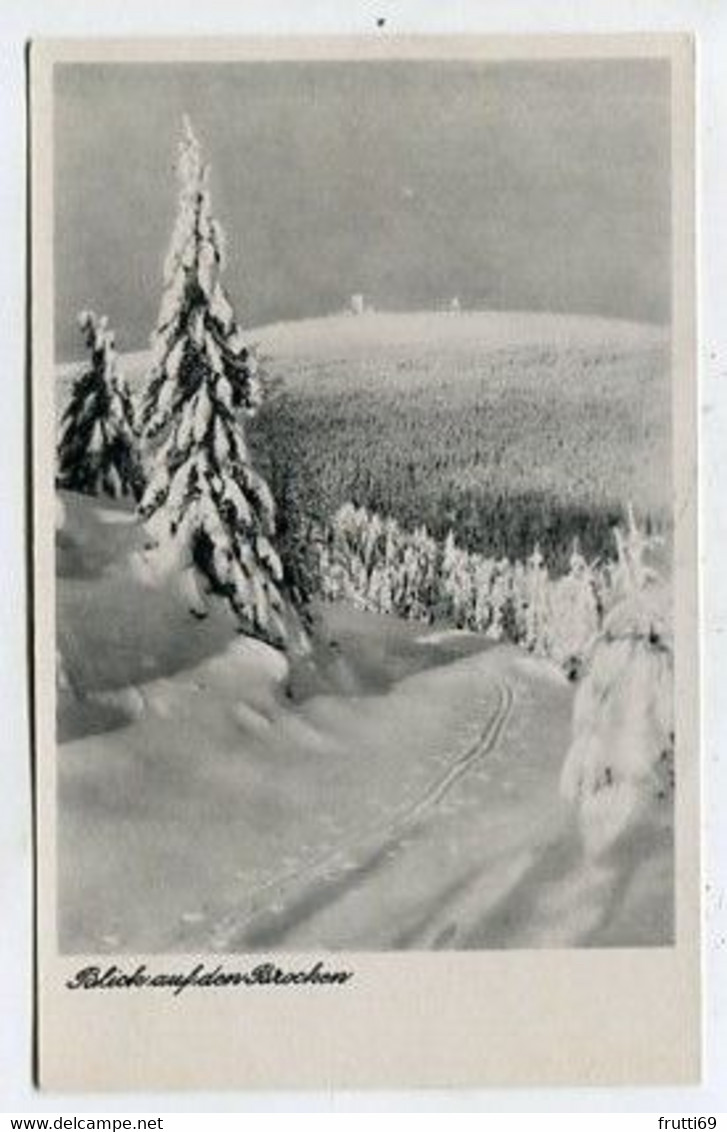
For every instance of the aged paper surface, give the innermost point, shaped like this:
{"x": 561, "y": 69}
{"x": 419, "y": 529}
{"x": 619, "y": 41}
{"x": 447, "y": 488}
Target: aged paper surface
{"x": 266, "y": 867}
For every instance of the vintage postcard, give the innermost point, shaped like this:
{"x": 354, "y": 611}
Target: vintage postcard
{"x": 365, "y": 577}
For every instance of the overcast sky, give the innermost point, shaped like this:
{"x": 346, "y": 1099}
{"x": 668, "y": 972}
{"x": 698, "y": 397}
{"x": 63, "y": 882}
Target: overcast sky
{"x": 540, "y": 186}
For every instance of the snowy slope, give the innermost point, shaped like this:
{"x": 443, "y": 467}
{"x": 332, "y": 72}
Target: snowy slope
{"x": 404, "y": 795}
{"x": 422, "y": 332}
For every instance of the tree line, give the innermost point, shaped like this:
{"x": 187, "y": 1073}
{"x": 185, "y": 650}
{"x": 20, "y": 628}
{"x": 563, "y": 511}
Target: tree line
{"x": 380, "y": 566}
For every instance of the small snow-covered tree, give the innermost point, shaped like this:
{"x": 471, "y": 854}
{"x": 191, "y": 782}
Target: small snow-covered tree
{"x": 205, "y": 504}
{"x": 499, "y": 599}
{"x": 457, "y": 583}
{"x": 574, "y": 614}
{"x": 621, "y": 758}
{"x": 97, "y": 449}
{"x": 483, "y": 572}
{"x": 537, "y": 617}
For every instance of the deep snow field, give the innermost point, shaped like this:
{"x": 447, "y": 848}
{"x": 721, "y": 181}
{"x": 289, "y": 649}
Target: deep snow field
{"x": 401, "y": 794}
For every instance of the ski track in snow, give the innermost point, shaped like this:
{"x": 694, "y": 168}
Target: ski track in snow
{"x": 402, "y": 882}
{"x": 322, "y": 881}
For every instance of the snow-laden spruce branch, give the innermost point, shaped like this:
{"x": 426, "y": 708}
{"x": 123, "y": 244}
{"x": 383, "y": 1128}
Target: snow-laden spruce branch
{"x": 97, "y": 449}
{"x": 207, "y": 508}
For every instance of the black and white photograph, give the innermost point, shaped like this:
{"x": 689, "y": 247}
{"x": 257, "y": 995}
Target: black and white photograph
{"x": 364, "y": 510}
{"x": 364, "y": 444}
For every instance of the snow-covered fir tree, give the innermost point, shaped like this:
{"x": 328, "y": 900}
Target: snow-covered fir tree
{"x": 209, "y": 511}
{"x": 97, "y": 449}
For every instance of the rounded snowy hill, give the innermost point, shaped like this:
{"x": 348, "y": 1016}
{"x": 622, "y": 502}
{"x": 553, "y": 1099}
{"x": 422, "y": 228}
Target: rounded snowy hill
{"x": 437, "y": 332}
{"x": 449, "y": 333}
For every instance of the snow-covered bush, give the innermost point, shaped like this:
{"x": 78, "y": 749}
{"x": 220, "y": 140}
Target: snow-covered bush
{"x": 209, "y": 512}
{"x": 97, "y": 449}
{"x": 621, "y": 756}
